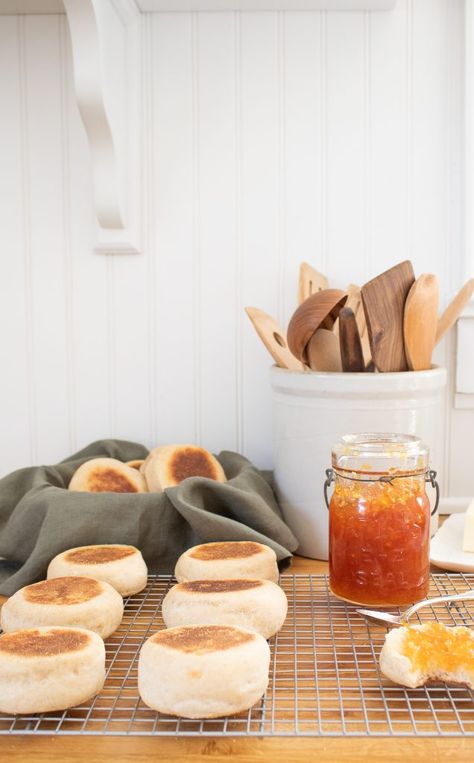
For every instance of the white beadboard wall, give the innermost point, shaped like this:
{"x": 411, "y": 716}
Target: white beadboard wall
{"x": 269, "y": 138}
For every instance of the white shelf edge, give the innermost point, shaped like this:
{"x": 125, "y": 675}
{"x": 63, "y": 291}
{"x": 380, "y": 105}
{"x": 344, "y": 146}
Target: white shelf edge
{"x": 16, "y": 7}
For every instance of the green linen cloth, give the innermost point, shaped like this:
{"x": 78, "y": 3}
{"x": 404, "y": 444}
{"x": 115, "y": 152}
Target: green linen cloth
{"x": 39, "y": 517}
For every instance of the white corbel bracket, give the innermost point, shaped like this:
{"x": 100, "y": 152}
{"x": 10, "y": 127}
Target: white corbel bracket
{"x": 106, "y": 61}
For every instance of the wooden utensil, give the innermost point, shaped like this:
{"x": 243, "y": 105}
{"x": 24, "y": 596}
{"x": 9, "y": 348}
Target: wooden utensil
{"x": 420, "y": 321}
{"x": 274, "y": 339}
{"x": 354, "y": 301}
{"x": 384, "y": 300}
{"x": 352, "y": 358}
{"x": 310, "y": 282}
{"x": 454, "y": 309}
{"x": 318, "y": 311}
{"x": 323, "y": 351}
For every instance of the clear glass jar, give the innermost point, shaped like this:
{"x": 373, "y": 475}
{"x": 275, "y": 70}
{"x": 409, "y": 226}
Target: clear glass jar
{"x": 379, "y": 519}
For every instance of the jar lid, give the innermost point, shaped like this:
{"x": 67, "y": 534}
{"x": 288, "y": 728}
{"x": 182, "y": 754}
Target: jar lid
{"x": 380, "y": 452}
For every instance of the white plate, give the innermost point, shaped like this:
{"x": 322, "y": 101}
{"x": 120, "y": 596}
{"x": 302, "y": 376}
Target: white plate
{"x": 446, "y": 546}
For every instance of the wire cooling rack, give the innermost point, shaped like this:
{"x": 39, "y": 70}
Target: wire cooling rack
{"x": 324, "y": 677}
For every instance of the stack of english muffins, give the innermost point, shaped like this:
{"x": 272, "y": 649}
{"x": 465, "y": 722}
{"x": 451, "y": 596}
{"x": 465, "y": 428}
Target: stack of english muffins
{"x": 52, "y": 654}
{"x": 213, "y": 658}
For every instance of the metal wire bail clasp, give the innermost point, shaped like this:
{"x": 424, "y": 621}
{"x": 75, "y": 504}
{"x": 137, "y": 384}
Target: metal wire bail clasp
{"x": 430, "y": 476}
{"x": 327, "y": 484}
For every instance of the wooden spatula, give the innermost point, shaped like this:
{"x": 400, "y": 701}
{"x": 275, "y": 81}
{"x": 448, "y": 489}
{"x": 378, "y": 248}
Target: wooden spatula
{"x": 454, "y": 309}
{"x": 352, "y": 358}
{"x": 274, "y": 339}
{"x": 310, "y": 281}
{"x": 420, "y": 322}
{"x": 354, "y": 301}
{"x": 384, "y": 300}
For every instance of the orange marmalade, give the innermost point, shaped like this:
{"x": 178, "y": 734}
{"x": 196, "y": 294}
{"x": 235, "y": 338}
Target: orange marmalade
{"x": 436, "y": 649}
{"x": 379, "y": 539}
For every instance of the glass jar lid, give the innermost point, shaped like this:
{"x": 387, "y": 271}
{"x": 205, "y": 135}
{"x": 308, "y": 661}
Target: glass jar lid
{"x": 380, "y": 453}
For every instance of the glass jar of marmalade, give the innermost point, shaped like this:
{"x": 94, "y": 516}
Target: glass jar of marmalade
{"x": 379, "y": 519}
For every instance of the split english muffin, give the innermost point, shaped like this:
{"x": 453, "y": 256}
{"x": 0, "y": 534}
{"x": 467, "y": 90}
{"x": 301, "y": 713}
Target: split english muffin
{"x": 72, "y": 601}
{"x": 123, "y": 567}
{"x": 171, "y": 464}
{"x": 414, "y": 655}
{"x": 227, "y": 559}
{"x": 259, "y": 605}
{"x": 107, "y": 475}
{"x": 203, "y": 671}
{"x": 52, "y": 668}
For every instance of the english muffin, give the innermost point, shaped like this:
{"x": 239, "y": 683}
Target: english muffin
{"x": 123, "y": 567}
{"x": 258, "y": 605}
{"x": 203, "y": 671}
{"x": 107, "y": 475}
{"x": 75, "y": 601}
{"x": 414, "y": 655}
{"x": 171, "y": 464}
{"x": 227, "y": 559}
{"x": 52, "y": 668}
{"x": 136, "y": 463}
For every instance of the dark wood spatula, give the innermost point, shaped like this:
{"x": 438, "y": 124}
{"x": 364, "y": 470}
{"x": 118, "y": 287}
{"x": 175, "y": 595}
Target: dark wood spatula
{"x": 352, "y": 357}
{"x": 384, "y": 300}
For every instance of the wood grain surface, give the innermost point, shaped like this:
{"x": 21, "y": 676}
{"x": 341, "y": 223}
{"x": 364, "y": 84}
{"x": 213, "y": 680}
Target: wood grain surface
{"x": 384, "y": 300}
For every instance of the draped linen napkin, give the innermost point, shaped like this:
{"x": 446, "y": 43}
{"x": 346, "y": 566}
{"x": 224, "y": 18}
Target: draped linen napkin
{"x": 39, "y": 517}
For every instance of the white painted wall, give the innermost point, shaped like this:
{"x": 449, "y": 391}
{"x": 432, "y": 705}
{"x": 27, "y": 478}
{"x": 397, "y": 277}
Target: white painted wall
{"x": 269, "y": 138}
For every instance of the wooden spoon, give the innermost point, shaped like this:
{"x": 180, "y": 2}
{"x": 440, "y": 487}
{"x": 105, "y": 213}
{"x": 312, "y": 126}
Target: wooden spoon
{"x": 323, "y": 352}
{"x": 420, "y": 322}
{"x": 384, "y": 300}
{"x": 454, "y": 309}
{"x": 352, "y": 358}
{"x": 274, "y": 339}
{"x": 310, "y": 282}
{"x": 318, "y": 311}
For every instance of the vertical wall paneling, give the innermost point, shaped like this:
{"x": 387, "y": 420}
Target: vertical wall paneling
{"x": 460, "y": 422}
{"x": 239, "y": 233}
{"x": 147, "y": 223}
{"x": 302, "y": 150}
{"x": 346, "y": 143}
{"x": 387, "y": 89}
{"x": 173, "y": 236}
{"x": 260, "y": 207}
{"x": 215, "y": 69}
{"x": 16, "y": 383}
{"x": 45, "y": 183}
{"x": 268, "y": 139}
{"x": 68, "y": 268}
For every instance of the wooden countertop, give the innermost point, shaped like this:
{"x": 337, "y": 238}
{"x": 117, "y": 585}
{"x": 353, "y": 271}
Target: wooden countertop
{"x": 252, "y": 750}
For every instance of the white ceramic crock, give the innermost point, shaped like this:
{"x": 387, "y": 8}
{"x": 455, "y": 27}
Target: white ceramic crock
{"x": 311, "y": 411}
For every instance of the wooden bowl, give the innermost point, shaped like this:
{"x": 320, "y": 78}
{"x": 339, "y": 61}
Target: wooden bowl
{"x": 320, "y": 310}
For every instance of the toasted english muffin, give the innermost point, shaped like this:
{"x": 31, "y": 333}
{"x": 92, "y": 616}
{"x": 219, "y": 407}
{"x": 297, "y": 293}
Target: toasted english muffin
{"x": 227, "y": 559}
{"x": 258, "y": 605}
{"x": 51, "y": 668}
{"x": 414, "y": 655}
{"x": 203, "y": 671}
{"x": 107, "y": 475}
{"x": 71, "y": 601}
{"x": 123, "y": 567}
{"x": 171, "y": 464}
